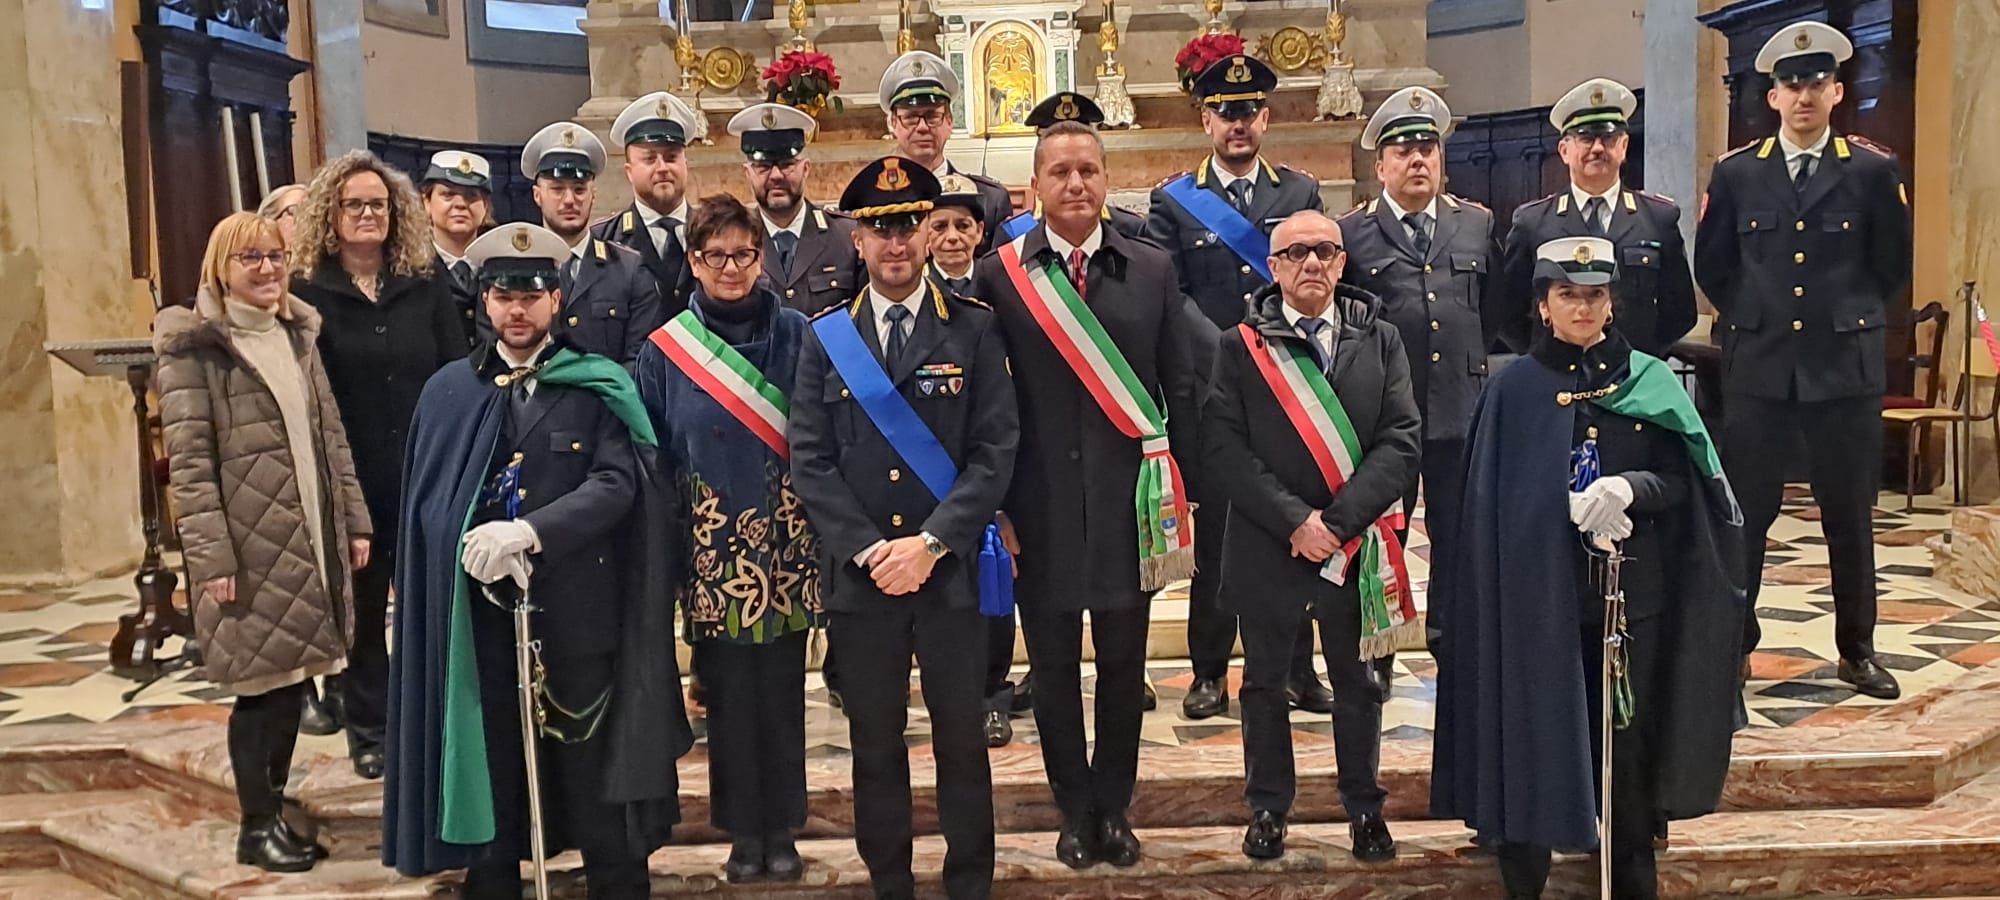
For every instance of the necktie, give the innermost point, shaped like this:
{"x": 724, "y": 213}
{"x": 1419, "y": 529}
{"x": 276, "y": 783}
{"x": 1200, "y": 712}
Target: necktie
{"x": 461, "y": 272}
{"x": 893, "y": 349}
{"x": 569, "y": 270}
{"x": 1311, "y": 325}
{"x": 786, "y": 243}
{"x": 1079, "y": 271}
{"x": 959, "y": 286}
{"x": 1593, "y": 215}
{"x": 1420, "y": 234}
{"x": 518, "y": 398}
{"x": 1805, "y": 172}
{"x": 670, "y": 239}
{"x": 1239, "y": 191}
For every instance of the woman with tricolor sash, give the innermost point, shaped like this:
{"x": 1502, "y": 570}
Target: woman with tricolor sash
{"x": 715, "y": 380}
{"x": 1584, "y": 446}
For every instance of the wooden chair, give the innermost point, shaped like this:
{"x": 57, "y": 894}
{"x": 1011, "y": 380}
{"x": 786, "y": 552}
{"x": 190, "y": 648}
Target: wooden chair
{"x": 1978, "y": 369}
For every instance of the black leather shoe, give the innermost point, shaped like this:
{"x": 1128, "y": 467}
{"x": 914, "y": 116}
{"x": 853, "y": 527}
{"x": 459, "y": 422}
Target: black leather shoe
{"x": 781, "y": 858}
{"x": 1152, "y": 701}
{"x": 300, "y": 842}
{"x": 1870, "y": 678}
{"x": 368, "y": 763}
{"x": 1306, "y": 693}
{"x": 999, "y": 729}
{"x": 1076, "y": 845}
{"x": 1024, "y": 693}
{"x": 315, "y": 718}
{"x": 260, "y": 843}
{"x": 1372, "y": 842}
{"x": 1265, "y": 839}
{"x": 746, "y": 860}
{"x": 1206, "y": 697}
{"x": 1116, "y": 844}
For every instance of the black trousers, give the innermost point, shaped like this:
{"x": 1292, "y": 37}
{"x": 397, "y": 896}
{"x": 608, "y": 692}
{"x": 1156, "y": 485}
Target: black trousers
{"x": 1843, "y": 446}
{"x": 1211, "y": 628}
{"x": 999, "y": 662}
{"x": 1270, "y": 779}
{"x": 950, "y": 647}
{"x": 756, "y": 698}
{"x": 1084, "y": 783}
{"x": 263, "y": 730}
{"x": 364, "y": 687}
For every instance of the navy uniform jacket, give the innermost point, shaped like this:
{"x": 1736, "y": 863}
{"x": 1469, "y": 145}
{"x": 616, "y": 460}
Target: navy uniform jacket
{"x": 1653, "y": 303}
{"x": 1220, "y": 282}
{"x": 1438, "y": 302}
{"x": 825, "y": 270}
{"x": 857, "y": 489}
{"x": 675, "y": 282}
{"x": 611, "y": 305}
{"x": 1072, "y": 497}
{"x": 469, "y": 305}
{"x": 1802, "y": 282}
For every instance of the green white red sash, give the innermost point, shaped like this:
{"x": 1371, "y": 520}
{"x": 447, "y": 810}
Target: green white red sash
{"x": 728, "y": 377}
{"x": 1166, "y": 530}
{"x": 1388, "y": 604}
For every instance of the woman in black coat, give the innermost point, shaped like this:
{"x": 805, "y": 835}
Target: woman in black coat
{"x": 364, "y": 260}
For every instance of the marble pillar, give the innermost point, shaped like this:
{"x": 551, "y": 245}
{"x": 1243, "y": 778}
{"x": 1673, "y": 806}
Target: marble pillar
{"x": 340, "y": 75}
{"x": 67, "y": 458}
{"x": 1672, "y": 36}
{"x": 1975, "y": 204}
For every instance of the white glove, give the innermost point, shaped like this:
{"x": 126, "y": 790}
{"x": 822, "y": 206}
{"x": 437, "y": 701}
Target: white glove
{"x": 499, "y": 549}
{"x": 1596, "y": 507}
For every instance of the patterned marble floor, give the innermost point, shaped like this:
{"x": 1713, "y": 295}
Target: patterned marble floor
{"x": 53, "y": 647}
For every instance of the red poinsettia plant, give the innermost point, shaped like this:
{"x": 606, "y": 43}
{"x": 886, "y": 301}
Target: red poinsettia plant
{"x": 802, "y": 79}
{"x": 1202, "y": 52}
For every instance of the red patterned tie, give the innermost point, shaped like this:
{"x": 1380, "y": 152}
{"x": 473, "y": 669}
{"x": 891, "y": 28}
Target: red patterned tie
{"x": 1079, "y": 272}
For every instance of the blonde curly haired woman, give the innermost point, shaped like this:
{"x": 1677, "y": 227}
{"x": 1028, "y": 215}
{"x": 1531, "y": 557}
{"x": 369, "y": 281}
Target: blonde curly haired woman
{"x": 364, "y": 259}
{"x": 270, "y": 515}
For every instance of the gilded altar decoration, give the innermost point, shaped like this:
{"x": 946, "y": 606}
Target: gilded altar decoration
{"x": 1202, "y": 52}
{"x": 1111, "y": 96}
{"x": 799, "y": 18}
{"x": 906, "y": 39}
{"x": 724, "y": 68}
{"x": 1215, "y": 24}
{"x": 1013, "y": 79}
{"x": 804, "y": 80}
{"x": 690, "y": 65}
{"x": 1339, "y": 94}
{"x": 1292, "y": 49}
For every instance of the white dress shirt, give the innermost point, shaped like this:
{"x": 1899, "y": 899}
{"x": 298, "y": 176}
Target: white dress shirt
{"x": 1793, "y": 151}
{"x": 797, "y": 228}
{"x": 1224, "y": 178}
{"x": 658, "y": 231}
{"x": 1430, "y": 227}
{"x": 446, "y": 257}
{"x": 1326, "y": 335}
{"x": 1582, "y": 199}
{"x": 1089, "y": 246}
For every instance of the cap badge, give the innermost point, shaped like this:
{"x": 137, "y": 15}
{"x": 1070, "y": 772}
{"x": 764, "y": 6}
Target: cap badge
{"x": 522, "y": 241}
{"x": 1416, "y": 100}
{"x": 893, "y": 178}
{"x": 662, "y": 110}
{"x": 770, "y": 119}
{"x": 465, "y": 165}
{"x": 1802, "y": 40}
{"x": 1066, "y": 110}
{"x": 1239, "y": 71}
{"x": 1597, "y": 97}
{"x": 1583, "y": 254}
{"x": 569, "y": 137}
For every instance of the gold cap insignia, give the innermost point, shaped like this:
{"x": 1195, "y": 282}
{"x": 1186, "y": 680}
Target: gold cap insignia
{"x": 465, "y": 165}
{"x": 1239, "y": 71}
{"x": 1802, "y": 40}
{"x": 1416, "y": 101}
{"x": 893, "y": 178}
{"x": 1597, "y": 97}
{"x": 1066, "y": 110}
{"x": 522, "y": 240}
{"x": 569, "y": 137}
{"x": 916, "y": 67}
{"x": 662, "y": 110}
{"x": 1583, "y": 254}
{"x": 770, "y": 119}
{"x": 955, "y": 183}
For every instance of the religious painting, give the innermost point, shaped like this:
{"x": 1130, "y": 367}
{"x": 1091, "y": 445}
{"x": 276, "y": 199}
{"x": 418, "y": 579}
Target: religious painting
{"x": 421, "y": 16}
{"x": 1010, "y": 78}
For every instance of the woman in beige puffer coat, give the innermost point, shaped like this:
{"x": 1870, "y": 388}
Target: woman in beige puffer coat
{"x": 270, "y": 514}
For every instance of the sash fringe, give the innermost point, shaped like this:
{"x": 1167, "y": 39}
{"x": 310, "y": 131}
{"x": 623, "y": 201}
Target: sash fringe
{"x": 1384, "y": 643}
{"x": 1156, "y": 572}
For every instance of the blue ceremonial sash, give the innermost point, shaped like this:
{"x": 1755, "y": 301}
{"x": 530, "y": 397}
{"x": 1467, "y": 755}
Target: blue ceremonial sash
{"x": 1020, "y": 224}
{"x": 913, "y": 441}
{"x": 1214, "y": 213}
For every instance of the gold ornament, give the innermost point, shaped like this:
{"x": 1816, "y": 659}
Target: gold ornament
{"x": 1802, "y": 41}
{"x": 1583, "y": 254}
{"x": 465, "y": 165}
{"x": 522, "y": 240}
{"x": 569, "y": 137}
{"x": 893, "y": 178}
{"x": 1066, "y": 110}
{"x": 723, "y": 68}
{"x": 1239, "y": 72}
{"x": 1291, "y": 49}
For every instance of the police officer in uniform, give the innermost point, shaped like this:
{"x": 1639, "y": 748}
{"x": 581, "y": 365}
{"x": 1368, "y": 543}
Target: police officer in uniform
{"x": 1069, "y": 106}
{"x": 916, "y": 91}
{"x": 609, "y": 302}
{"x": 1253, "y": 193}
{"x": 1654, "y": 298}
{"x": 1803, "y": 243}
{"x": 1426, "y": 254}
{"x": 458, "y": 196}
{"x": 811, "y": 259}
{"x": 900, "y": 564}
{"x": 653, "y": 131}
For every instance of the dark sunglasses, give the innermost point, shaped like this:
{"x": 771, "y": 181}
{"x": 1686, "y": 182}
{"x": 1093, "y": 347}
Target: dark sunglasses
{"x": 1324, "y": 251}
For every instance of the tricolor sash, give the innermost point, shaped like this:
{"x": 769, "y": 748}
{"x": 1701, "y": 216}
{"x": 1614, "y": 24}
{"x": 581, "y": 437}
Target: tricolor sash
{"x": 727, "y": 376}
{"x": 914, "y": 441}
{"x": 1239, "y": 234}
{"x": 1388, "y": 604}
{"x": 1166, "y": 531}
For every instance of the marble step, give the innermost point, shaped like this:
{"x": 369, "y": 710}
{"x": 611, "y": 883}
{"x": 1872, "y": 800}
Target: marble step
{"x": 153, "y": 847}
{"x": 46, "y": 884}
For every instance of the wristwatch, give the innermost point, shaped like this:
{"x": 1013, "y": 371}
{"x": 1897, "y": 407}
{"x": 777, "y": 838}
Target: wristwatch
{"x": 933, "y": 546}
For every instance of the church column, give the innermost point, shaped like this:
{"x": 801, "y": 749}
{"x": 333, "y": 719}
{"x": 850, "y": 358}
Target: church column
{"x": 1672, "y": 38}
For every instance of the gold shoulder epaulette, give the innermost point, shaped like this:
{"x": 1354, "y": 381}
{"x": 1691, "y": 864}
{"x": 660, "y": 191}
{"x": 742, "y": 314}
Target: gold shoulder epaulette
{"x": 602, "y": 253}
{"x": 1866, "y": 144}
{"x": 1731, "y": 153}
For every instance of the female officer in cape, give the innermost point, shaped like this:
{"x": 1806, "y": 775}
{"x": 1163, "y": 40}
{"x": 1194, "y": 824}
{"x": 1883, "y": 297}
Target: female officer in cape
{"x": 524, "y": 465}
{"x": 1586, "y": 443}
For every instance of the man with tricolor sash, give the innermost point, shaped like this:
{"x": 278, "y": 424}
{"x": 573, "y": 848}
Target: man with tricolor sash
{"x": 1216, "y": 221}
{"x": 903, "y": 436}
{"x": 529, "y": 483}
{"x": 1069, "y": 106}
{"x": 1098, "y": 509}
{"x": 1311, "y": 433}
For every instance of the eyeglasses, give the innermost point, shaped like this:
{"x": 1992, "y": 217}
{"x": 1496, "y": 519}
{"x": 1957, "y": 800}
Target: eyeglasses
{"x": 252, "y": 259}
{"x": 766, "y": 168}
{"x": 1585, "y": 139}
{"x": 357, "y": 207}
{"x": 716, "y": 259}
{"x": 1324, "y": 251}
{"x": 930, "y": 117}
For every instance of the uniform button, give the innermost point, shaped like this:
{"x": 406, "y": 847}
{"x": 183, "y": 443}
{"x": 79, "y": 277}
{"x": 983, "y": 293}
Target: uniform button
{"x": 1434, "y": 325}
{"x": 1638, "y": 426}
{"x": 1432, "y": 297}
{"x": 895, "y": 474}
{"x": 1846, "y": 225}
{"x": 1197, "y": 242}
{"x": 1860, "y": 321}
{"x": 614, "y": 310}
{"x": 1798, "y": 325}
{"x": 1753, "y": 223}
{"x": 1375, "y": 271}
{"x": 1799, "y": 258}
{"x": 1247, "y": 297}
{"x": 522, "y": 493}
{"x": 1645, "y": 260}
{"x": 896, "y": 520}
{"x": 576, "y": 445}
{"x": 790, "y": 293}
{"x": 381, "y": 329}
{"x": 1593, "y": 431}
{"x": 468, "y": 314}
{"x": 1801, "y": 226}
{"x": 572, "y": 321}
{"x": 833, "y": 284}
{"x": 1798, "y": 291}
{"x": 843, "y": 392}
{"x": 1245, "y": 270}
{"x": 1435, "y": 356}
{"x": 1076, "y": 454}
{"x": 1427, "y": 268}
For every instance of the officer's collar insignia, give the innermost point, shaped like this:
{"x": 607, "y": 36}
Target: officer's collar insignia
{"x": 521, "y": 240}
{"x": 893, "y": 178}
{"x": 1066, "y": 110}
{"x": 569, "y": 137}
{"x": 1239, "y": 71}
{"x": 770, "y": 119}
{"x": 1583, "y": 254}
{"x": 1802, "y": 40}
